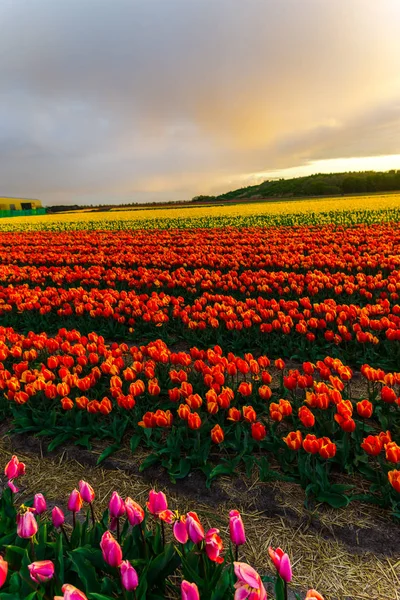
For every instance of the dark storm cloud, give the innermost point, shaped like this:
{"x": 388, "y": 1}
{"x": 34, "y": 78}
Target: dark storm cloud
{"x": 123, "y": 100}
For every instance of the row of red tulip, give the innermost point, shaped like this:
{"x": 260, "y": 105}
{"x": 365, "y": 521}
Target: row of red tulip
{"x": 362, "y": 247}
{"x": 247, "y": 282}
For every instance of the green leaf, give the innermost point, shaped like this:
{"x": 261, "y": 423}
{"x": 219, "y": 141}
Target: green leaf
{"x": 335, "y": 500}
{"x": 57, "y": 441}
{"x": 149, "y": 461}
{"x": 107, "y": 452}
{"x": 85, "y": 570}
{"x": 134, "y": 443}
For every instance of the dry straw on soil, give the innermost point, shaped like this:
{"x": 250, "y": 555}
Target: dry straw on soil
{"x": 320, "y": 561}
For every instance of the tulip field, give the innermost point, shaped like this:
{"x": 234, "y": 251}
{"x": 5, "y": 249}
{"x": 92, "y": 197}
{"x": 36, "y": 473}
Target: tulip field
{"x": 261, "y": 344}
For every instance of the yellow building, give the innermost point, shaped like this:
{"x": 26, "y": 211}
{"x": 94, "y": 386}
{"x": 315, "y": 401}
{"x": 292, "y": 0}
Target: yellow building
{"x": 19, "y": 204}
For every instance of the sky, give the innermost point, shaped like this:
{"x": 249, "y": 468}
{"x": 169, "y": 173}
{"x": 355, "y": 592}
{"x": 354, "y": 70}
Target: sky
{"x": 118, "y": 101}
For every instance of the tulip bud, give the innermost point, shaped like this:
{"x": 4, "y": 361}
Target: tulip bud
{"x": 86, "y": 491}
{"x": 57, "y": 516}
{"x": 180, "y": 531}
{"x": 236, "y": 528}
{"x": 157, "y": 502}
{"x": 70, "y": 593}
{"x": 41, "y": 571}
{"x": 129, "y": 577}
{"x": 134, "y": 512}
{"x": 189, "y": 591}
{"x": 3, "y": 571}
{"x": 26, "y": 525}
{"x": 75, "y": 501}
{"x": 39, "y": 503}
{"x": 112, "y": 552}
{"x": 282, "y": 563}
{"x": 116, "y": 506}
{"x": 194, "y": 528}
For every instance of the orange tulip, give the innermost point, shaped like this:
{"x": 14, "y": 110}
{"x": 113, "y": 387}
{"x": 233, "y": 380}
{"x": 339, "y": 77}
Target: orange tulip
{"x": 372, "y": 445}
{"x": 311, "y": 444}
{"x": 394, "y": 480}
{"x": 249, "y": 414}
{"x": 194, "y": 421}
{"x": 294, "y": 440}
{"x": 306, "y": 416}
{"x": 392, "y": 452}
{"x": 327, "y": 448}
{"x": 234, "y": 414}
{"x": 217, "y": 434}
{"x": 67, "y": 403}
{"x": 365, "y": 409}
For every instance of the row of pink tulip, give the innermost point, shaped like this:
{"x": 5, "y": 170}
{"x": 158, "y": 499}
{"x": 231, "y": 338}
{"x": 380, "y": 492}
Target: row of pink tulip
{"x": 198, "y": 553}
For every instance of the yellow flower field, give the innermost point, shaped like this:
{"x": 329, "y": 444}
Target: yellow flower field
{"x": 379, "y": 206}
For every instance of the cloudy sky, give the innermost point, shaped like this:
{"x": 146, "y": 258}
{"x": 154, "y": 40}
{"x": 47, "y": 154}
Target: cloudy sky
{"x": 143, "y": 100}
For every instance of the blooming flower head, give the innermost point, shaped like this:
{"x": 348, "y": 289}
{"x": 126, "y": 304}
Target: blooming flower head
{"x": 214, "y": 545}
{"x": 249, "y": 584}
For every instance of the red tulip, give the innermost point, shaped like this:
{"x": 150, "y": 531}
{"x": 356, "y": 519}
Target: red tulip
{"x": 112, "y": 552}
{"x": 214, "y": 546}
{"x": 129, "y": 576}
{"x": 258, "y": 431}
{"x": 41, "y": 571}
{"x": 14, "y": 468}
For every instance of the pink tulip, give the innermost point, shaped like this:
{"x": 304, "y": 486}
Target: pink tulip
{"x": 12, "y": 487}
{"x": 189, "y": 591}
{"x": 194, "y": 527}
{"x": 71, "y": 593}
{"x": 157, "y": 502}
{"x": 57, "y": 517}
{"x": 75, "y": 501}
{"x": 214, "y": 545}
{"x": 39, "y": 504}
{"x": 3, "y": 571}
{"x": 26, "y": 525}
{"x": 134, "y": 512}
{"x": 236, "y": 528}
{"x": 116, "y": 506}
{"x": 129, "y": 577}
{"x": 14, "y": 468}
{"x": 249, "y": 584}
{"x": 41, "y": 571}
{"x": 282, "y": 563}
{"x": 86, "y": 491}
{"x": 111, "y": 550}
{"x": 179, "y": 530}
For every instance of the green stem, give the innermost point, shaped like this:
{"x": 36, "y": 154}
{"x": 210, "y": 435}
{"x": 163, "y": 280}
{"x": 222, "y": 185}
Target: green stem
{"x": 92, "y": 513}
